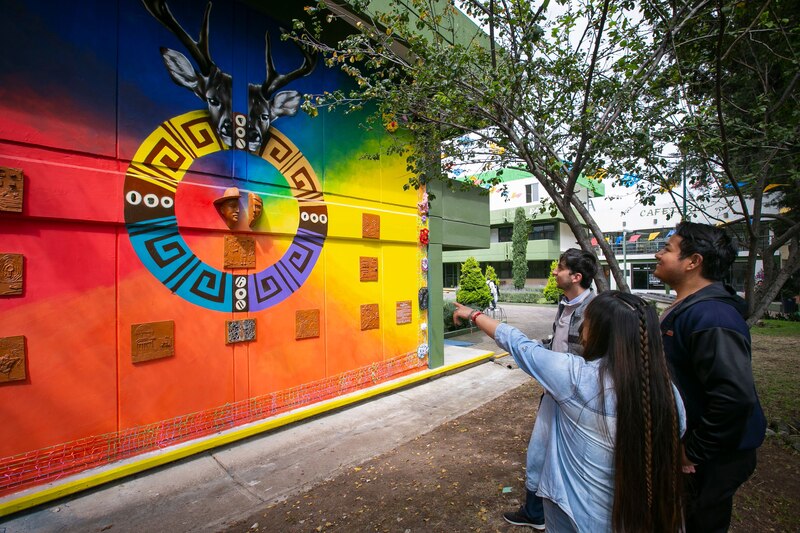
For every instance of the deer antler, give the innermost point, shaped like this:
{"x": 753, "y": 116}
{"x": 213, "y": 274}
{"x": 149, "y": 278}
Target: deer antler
{"x": 274, "y": 80}
{"x": 198, "y": 49}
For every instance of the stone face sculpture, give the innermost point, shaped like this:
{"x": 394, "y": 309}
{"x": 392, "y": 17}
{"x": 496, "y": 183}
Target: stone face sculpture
{"x": 255, "y": 207}
{"x": 228, "y": 206}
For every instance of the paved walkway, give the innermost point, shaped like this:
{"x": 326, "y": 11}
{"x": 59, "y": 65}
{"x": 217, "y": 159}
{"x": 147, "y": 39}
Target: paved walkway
{"x": 211, "y": 490}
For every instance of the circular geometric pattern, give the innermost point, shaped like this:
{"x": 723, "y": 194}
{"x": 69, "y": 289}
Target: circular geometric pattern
{"x": 151, "y": 183}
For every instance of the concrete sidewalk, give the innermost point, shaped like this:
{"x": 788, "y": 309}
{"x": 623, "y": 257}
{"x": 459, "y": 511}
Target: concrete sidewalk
{"x": 213, "y": 489}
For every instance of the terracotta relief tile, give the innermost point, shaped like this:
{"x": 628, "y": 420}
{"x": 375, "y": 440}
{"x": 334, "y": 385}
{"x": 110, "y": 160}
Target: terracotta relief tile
{"x": 11, "y": 182}
{"x": 369, "y": 317}
{"x": 306, "y": 324}
{"x": 403, "y": 312}
{"x": 12, "y": 359}
{"x": 152, "y": 340}
{"x": 240, "y": 330}
{"x": 369, "y": 268}
{"x": 370, "y": 226}
{"x": 11, "y": 274}
{"x": 240, "y": 252}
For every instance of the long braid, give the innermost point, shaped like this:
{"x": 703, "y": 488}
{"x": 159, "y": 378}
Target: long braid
{"x": 644, "y": 378}
{"x": 675, "y": 441}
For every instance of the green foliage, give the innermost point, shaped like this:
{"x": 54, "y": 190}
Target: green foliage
{"x": 522, "y": 297}
{"x": 492, "y": 275}
{"x": 732, "y": 74}
{"x": 552, "y": 96}
{"x": 449, "y": 325}
{"x": 472, "y": 288}
{"x": 551, "y": 291}
{"x": 519, "y": 248}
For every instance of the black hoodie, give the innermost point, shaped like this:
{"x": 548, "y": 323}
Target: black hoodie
{"x": 707, "y": 344}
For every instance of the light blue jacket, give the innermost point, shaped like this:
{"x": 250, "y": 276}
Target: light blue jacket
{"x": 576, "y": 470}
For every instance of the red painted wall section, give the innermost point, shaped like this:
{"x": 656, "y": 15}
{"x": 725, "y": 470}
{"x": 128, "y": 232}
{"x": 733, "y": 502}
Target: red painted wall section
{"x": 69, "y": 288}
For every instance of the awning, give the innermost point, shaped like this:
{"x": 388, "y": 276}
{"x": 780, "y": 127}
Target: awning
{"x": 671, "y": 233}
{"x": 619, "y": 240}
{"x": 635, "y": 238}
{"x": 653, "y": 235}
{"x": 594, "y": 241}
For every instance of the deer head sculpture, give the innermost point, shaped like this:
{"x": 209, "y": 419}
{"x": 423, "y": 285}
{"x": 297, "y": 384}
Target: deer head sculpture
{"x": 266, "y": 105}
{"x": 214, "y": 87}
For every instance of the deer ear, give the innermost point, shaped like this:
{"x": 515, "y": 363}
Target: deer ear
{"x": 285, "y": 104}
{"x": 181, "y": 70}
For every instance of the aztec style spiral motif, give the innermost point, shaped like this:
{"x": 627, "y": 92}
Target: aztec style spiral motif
{"x": 150, "y": 186}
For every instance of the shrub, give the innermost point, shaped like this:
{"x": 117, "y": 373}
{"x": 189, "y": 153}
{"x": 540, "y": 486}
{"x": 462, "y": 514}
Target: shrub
{"x": 551, "y": 291}
{"x": 522, "y": 297}
{"x": 519, "y": 248}
{"x": 472, "y": 288}
{"x": 449, "y": 325}
{"x": 492, "y": 275}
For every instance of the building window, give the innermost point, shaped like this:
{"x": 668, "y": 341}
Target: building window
{"x": 538, "y": 269}
{"x": 542, "y": 232}
{"x": 643, "y": 278}
{"x": 504, "y": 233}
{"x": 450, "y": 273}
{"x": 531, "y": 193}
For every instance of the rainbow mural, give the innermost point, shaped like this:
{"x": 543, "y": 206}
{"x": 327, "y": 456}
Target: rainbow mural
{"x": 192, "y": 252}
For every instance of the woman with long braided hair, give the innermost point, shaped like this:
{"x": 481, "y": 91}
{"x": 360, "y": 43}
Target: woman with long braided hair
{"x": 611, "y": 428}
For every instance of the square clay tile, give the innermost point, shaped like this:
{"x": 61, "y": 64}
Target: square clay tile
{"x": 403, "y": 312}
{"x": 370, "y": 226}
{"x": 11, "y": 182}
{"x": 11, "y": 274}
{"x": 152, "y": 340}
{"x": 369, "y": 317}
{"x": 240, "y": 252}
{"x": 368, "y": 267}
{"x": 306, "y": 324}
{"x": 12, "y": 359}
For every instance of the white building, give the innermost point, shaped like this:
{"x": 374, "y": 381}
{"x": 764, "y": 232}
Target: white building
{"x": 635, "y": 231}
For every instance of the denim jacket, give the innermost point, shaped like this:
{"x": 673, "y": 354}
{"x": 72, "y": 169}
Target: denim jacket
{"x": 576, "y": 470}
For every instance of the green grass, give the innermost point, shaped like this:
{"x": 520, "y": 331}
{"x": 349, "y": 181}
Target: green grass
{"x": 778, "y": 328}
{"x": 775, "y": 358}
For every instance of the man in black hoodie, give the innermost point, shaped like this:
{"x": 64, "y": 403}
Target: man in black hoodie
{"x": 707, "y": 343}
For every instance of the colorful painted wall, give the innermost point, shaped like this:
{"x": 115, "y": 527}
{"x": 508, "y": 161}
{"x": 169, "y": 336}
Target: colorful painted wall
{"x": 183, "y": 250}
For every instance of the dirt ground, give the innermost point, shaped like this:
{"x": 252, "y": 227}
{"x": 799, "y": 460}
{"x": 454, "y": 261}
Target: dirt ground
{"x": 464, "y": 474}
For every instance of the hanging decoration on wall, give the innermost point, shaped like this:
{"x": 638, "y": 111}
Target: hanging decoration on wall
{"x": 370, "y": 226}
{"x": 368, "y": 268}
{"x": 240, "y": 330}
{"x": 423, "y": 236}
{"x": 11, "y": 274}
{"x": 423, "y": 205}
{"x": 370, "y": 318}
{"x": 12, "y": 359}
{"x": 422, "y": 350}
{"x": 403, "y": 312}
{"x": 11, "y": 189}
{"x": 423, "y": 298}
{"x": 240, "y": 252}
{"x": 424, "y": 264}
{"x": 164, "y": 157}
{"x": 154, "y": 340}
{"x": 306, "y": 324}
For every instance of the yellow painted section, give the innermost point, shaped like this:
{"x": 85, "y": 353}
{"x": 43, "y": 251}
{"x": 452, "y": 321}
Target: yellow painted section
{"x": 345, "y": 219}
{"x": 60, "y": 490}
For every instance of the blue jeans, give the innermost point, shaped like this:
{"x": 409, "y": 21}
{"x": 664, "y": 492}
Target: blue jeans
{"x": 557, "y": 520}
